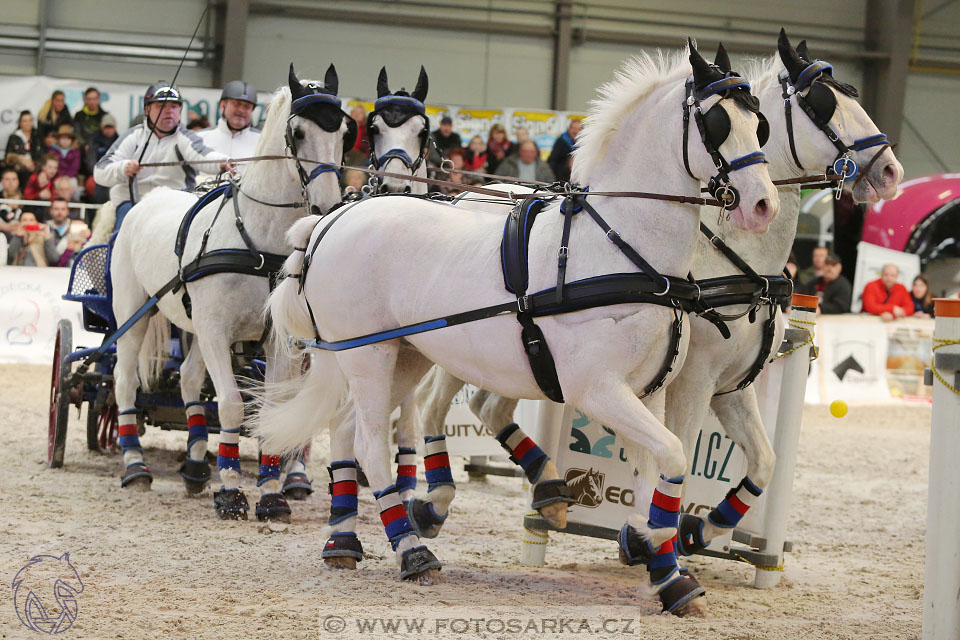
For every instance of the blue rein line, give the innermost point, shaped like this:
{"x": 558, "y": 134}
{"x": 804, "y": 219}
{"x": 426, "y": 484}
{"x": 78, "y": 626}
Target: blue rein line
{"x": 399, "y": 154}
{"x": 757, "y": 157}
{"x": 321, "y": 169}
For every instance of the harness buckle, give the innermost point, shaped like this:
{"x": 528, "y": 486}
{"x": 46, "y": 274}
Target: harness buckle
{"x": 611, "y": 234}
{"x": 563, "y": 252}
{"x": 523, "y": 303}
{"x": 262, "y": 261}
{"x": 665, "y": 291}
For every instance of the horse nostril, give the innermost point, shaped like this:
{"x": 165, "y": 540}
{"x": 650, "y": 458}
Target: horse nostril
{"x": 890, "y": 174}
{"x": 762, "y": 208}
{"x": 315, "y": 210}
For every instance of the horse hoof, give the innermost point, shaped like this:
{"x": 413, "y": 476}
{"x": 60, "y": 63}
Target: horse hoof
{"x": 678, "y": 597}
{"x": 340, "y": 563}
{"x": 690, "y": 535}
{"x": 634, "y": 548}
{"x": 297, "y": 486}
{"x": 195, "y": 474}
{"x": 136, "y": 477}
{"x": 273, "y": 507}
{"x": 555, "y": 514}
{"x": 231, "y": 504}
{"x": 424, "y": 519}
{"x": 419, "y": 563}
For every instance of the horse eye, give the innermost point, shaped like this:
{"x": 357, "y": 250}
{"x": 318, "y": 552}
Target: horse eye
{"x": 374, "y": 130}
{"x": 298, "y": 133}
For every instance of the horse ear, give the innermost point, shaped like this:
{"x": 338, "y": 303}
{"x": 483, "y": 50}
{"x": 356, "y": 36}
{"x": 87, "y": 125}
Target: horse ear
{"x": 420, "y": 91}
{"x": 383, "y": 89}
{"x": 802, "y": 50}
{"x": 789, "y": 57}
{"x": 296, "y": 89}
{"x": 330, "y": 81}
{"x": 701, "y": 68}
{"x": 722, "y": 60}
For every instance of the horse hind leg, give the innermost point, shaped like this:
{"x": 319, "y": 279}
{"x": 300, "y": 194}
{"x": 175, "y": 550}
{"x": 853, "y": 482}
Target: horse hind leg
{"x": 136, "y": 474}
{"x": 195, "y": 469}
{"x": 432, "y": 399}
{"x": 406, "y": 457}
{"x": 343, "y": 549}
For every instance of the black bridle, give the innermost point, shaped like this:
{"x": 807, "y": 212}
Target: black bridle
{"x": 820, "y": 103}
{"x": 395, "y": 110}
{"x": 714, "y": 127}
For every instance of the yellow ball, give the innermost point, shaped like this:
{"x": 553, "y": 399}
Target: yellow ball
{"x": 838, "y": 408}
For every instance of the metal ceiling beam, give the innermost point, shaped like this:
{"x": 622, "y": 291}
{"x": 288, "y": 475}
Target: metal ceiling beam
{"x": 889, "y": 30}
{"x": 563, "y": 41}
{"x": 42, "y": 10}
{"x": 231, "y": 36}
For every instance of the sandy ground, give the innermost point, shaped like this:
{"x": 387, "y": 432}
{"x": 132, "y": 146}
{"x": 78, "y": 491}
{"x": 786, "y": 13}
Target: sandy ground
{"x": 160, "y": 564}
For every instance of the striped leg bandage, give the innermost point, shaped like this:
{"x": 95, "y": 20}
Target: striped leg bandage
{"x": 523, "y": 451}
{"x": 436, "y": 463}
{"x": 229, "y": 451}
{"x": 129, "y": 437}
{"x": 269, "y": 468}
{"x": 406, "y": 460}
{"x": 196, "y": 430}
{"x": 343, "y": 489}
{"x": 393, "y": 515}
{"x": 665, "y": 513}
{"x": 731, "y": 510}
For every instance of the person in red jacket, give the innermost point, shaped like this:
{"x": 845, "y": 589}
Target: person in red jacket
{"x": 886, "y": 297}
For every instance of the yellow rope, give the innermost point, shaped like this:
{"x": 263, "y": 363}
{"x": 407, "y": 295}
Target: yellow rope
{"x": 536, "y": 534}
{"x": 938, "y": 343}
{"x": 798, "y": 324}
{"x": 762, "y": 567}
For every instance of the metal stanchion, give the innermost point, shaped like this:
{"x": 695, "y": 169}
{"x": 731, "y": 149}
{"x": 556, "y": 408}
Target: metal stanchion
{"x": 941, "y": 595}
{"x": 533, "y": 551}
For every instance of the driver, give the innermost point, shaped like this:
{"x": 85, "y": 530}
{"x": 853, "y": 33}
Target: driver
{"x": 161, "y": 138}
{"x": 233, "y": 134}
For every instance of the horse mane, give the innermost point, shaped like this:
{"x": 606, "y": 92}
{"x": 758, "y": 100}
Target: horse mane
{"x": 762, "y": 73}
{"x": 636, "y": 79}
{"x": 278, "y": 110}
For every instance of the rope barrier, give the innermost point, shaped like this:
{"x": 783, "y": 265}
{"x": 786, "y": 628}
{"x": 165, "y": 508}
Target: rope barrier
{"x": 798, "y": 324}
{"x": 537, "y": 534}
{"x": 939, "y": 343}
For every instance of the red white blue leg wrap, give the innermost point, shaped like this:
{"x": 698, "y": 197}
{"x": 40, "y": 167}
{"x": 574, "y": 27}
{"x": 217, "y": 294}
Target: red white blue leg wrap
{"x": 196, "y": 423}
{"x": 129, "y": 437}
{"x": 269, "y": 468}
{"x": 731, "y": 510}
{"x": 665, "y": 513}
{"x": 393, "y": 515}
{"x": 343, "y": 490}
{"x": 436, "y": 463}
{"x": 406, "y": 460}
{"x": 523, "y": 451}
{"x": 229, "y": 451}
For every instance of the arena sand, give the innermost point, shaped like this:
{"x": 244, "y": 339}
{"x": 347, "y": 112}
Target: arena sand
{"x": 159, "y": 564}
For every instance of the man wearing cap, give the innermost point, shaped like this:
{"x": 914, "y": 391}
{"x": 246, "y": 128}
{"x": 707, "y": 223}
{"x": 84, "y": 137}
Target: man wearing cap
{"x": 234, "y": 134}
{"x": 446, "y": 138}
{"x": 161, "y": 138}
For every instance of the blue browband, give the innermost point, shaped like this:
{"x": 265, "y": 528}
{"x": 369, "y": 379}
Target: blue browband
{"x": 397, "y": 153}
{"x": 810, "y": 74}
{"x": 870, "y": 141}
{"x": 757, "y": 157}
{"x": 321, "y": 169}
{"x": 724, "y": 84}
{"x": 401, "y": 101}
{"x": 314, "y": 98}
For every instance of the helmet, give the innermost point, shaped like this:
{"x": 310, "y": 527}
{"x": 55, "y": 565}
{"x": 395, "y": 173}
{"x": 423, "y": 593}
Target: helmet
{"x": 162, "y": 91}
{"x": 240, "y": 90}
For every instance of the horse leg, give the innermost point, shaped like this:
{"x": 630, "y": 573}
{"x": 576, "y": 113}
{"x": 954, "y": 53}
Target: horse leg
{"x": 740, "y": 416}
{"x": 343, "y": 549}
{"x": 648, "y": 539}
{"x": 136, "y": 475}
{"x": 406, "y": 458}
{"x": 230, "y": 502}
{"x": 551, "y": 496}
{"x": 433, "y": 397}
{"x": 296, "y": 484}
{"x": 195, "y": 470}
{"x": 380, "y": 377}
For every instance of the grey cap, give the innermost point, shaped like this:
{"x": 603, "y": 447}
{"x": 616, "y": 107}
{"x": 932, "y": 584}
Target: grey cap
{"x": 240, "y": 90}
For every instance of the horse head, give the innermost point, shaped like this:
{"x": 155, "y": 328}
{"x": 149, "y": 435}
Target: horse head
{"x": 398, "y": 129}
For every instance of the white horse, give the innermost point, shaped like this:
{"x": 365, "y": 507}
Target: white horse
{"x": 304, "y": 119}
{"x": 405, "y": 262}
{"x": 398, "y": 128}
{"x": 714, "y": 366}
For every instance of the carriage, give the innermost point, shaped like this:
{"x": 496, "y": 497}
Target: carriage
{"x": 76, "y": 384}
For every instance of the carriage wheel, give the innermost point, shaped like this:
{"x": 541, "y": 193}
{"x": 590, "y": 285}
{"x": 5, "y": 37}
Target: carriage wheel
{"x": 103, "y": 422}
{"x": 59, "y": 395}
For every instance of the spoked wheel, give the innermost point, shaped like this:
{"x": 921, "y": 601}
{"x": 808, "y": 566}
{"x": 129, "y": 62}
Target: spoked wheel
{"x": 59, "y": 395}
{"x": 103, "y": 423}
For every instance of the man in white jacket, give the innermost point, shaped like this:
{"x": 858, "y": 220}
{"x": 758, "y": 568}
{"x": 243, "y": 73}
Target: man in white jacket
{"x": 161, "y": 138}
{"x": 233, "y": 134}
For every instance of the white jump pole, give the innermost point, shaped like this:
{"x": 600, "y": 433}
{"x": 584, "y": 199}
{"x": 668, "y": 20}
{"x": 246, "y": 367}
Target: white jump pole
{"x": 533, "y": 550}
{"x": 941, "y": 594}
{"x": 792, "y": 369}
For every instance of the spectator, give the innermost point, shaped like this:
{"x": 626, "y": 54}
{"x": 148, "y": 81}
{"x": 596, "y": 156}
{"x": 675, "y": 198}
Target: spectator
{"x": 32, "y": 244}
{"x": 457, "y": 157}
{"x": 922, "y": 298}
{"x": 196, "y": 121}
{"x": 88, "y": 119}
{"x": 67, "y": 150}
{"x": 526, "y": 164}
{"x": 354, "y": 180}
{"x": 475, "y": 155}
{"x": 67, "y": 188}
{"x": 78, "y": 236}
{"x": 24, "y": 148}
{"x": 498, "y": 147}
{"x": 165, "y": 140}
{"x": 792, "y": 266}
{"x": 9, "y": 213}
{"x": 887, "y": 298}
{"x": 522, "y": 135}
{"x": 559, "y": 159}
{"x": 59, "y": 223}
{"x": 41, "y": 184}
{"x": 446, "y": 138}
{"x": 101, "y": 142}
{"x": 360, "y": 153}
{"x": 52, "y": 114}
{"x": 833, "y": 289}
{"x": 808, "y": 276}
{"x": 234, "y": 136}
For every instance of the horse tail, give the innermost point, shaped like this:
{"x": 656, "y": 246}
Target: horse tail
{"x": 153, "y": 352}
{"x": 291, "y": 412}
{"x": 287, "y": 306}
